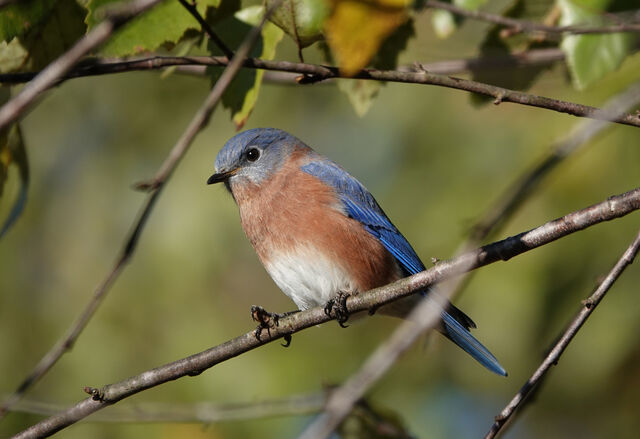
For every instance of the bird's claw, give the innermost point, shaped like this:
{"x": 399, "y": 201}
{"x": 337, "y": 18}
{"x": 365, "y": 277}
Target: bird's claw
{"x": 268, "y": 320}
{"x": 338, "y": 305}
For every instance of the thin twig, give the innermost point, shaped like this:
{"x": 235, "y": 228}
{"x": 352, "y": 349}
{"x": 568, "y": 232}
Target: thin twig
{"x": 320, "y": 73}
{"x": 191, "y": 8}
{"x": 530, "y": 26}
{"x": 201, "y": 412}
{"x": 613, "y": 207}
{"x": 588, "y": 306}
{"x": 198, "y": 122}
{"x": 117, "y": 16}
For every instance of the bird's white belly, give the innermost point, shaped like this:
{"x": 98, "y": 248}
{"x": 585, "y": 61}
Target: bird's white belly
{"x": 307, "y": 276}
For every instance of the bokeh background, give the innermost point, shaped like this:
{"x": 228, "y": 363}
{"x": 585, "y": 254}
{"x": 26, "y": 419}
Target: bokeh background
{"x": 433, "y": 160}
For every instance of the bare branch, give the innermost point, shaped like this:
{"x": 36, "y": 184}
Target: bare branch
{"x": 197, "y": 123}
{"x": 116, "y": 17}
{"x": 320, "y": 73}
{"x": 612, "y": 208}
{"x": 535, "y": 57}
{"x": 530, "y": 26}
{"x": 588, "y": 306}
{"x": 191, "y": 7}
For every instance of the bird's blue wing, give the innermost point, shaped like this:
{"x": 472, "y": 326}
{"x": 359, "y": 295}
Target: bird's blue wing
{"x": 360, "y": 205}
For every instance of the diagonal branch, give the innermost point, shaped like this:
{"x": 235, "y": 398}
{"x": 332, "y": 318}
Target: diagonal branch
{"x": 115, "y": 17}
{"x": 613, "y": 207}
{"x": 198, "y": 122}
{"x": 588, "y": 306}
{"x": 321, "y": 72}
{"x": 191, "y": 8}
{"x": 530, "y": 26}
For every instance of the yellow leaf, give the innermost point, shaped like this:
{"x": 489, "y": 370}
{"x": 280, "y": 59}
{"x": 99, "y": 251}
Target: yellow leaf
{"x": 356, "y": 29}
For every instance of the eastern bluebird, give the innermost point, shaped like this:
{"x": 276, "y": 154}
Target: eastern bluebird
{"x": 319, "y": 232}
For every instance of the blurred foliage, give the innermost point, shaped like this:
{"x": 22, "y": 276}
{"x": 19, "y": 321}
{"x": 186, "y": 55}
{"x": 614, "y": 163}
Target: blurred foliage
{"x": 434, "y": 162}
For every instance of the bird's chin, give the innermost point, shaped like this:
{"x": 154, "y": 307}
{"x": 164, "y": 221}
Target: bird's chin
{"x": 228, "y": 186}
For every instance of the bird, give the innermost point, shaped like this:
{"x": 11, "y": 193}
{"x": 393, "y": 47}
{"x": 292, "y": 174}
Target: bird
{"x": 320, "y": 233}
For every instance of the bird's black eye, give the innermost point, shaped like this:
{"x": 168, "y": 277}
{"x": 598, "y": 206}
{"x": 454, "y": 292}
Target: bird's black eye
{"x": 253, "y": 154}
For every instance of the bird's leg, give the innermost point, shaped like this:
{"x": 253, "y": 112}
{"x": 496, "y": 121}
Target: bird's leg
{"x": 339, "y": 307}
{"x": 267, "y": 320}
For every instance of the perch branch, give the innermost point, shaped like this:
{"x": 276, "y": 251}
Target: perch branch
{"x": 613, "y": 207}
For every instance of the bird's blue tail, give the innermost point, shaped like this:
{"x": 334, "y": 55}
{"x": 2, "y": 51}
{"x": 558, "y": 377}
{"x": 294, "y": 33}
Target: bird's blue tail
{"x": 463, "y": 338}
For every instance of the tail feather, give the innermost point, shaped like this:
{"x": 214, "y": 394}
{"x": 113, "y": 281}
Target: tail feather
{"x": 463, "y": 338}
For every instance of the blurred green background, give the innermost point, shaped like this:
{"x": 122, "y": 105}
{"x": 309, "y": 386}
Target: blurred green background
{"x": 434, "y": 162}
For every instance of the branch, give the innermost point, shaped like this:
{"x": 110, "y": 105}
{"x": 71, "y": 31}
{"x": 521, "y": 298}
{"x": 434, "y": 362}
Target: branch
{"x": 530, "y": 26}
{"x": 535, "y": 57}
{"x": 198, "y": 122}
{"x": 115, "y": 17}
{"x": 321, "y": 72}
{"x": 612, "y": 208}
{"x": 588, "y": 306}
{"x": 191, "y": 8}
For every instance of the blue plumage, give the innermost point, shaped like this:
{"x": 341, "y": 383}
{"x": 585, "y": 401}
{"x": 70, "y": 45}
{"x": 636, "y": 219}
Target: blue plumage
{"x": 360, "y": 205}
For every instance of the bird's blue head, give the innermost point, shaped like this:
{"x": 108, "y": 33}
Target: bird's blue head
{"x": 253, "y": 156}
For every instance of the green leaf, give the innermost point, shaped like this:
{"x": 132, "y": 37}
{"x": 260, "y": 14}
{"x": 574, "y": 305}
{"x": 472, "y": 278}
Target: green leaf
{"x": 590, "y": 57}
{"x": 166, "y": 23}
{"x": 302, "y": 20}
{"x": 39, "y": 31}
{"x": 12, "y": 152}
{"x": 242, "y": 93}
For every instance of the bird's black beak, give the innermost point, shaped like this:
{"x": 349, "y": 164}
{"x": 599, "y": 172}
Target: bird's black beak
{"x": 220, "y": 177}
